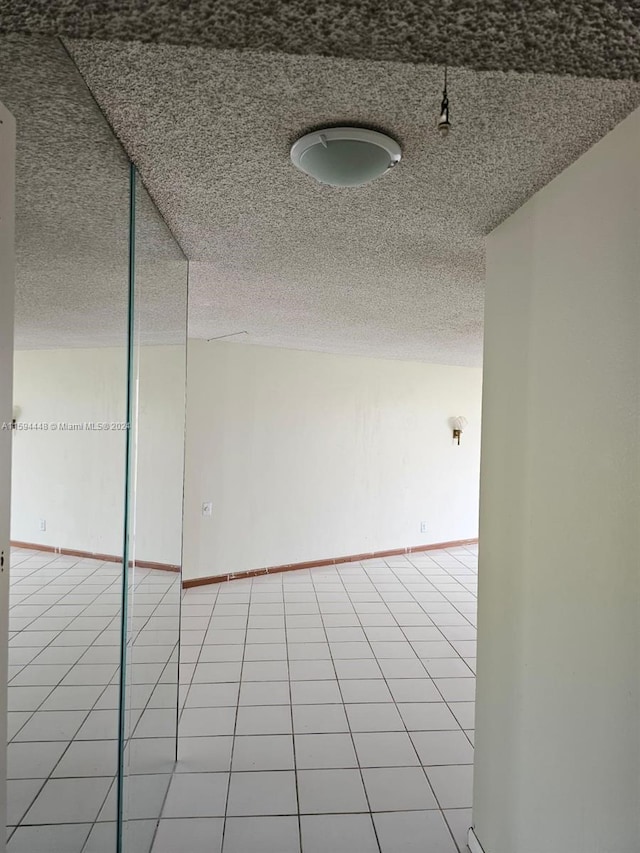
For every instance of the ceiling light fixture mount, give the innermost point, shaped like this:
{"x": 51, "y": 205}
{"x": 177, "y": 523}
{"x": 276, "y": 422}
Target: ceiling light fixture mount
{"x": 345, "y": 156}
{"x": 444, "y": 125}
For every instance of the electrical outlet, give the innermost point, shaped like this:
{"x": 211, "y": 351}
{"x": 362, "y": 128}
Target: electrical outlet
{"x": 43, "y": 524}
{"x": 423, "y": 527}
{"x": 207, "y": 509}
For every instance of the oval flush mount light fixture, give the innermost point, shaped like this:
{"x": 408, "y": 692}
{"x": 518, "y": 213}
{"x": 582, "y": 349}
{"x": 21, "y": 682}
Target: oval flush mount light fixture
{"x": 345, "y": 156}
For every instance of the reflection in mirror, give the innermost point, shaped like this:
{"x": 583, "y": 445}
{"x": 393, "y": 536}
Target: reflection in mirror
{"x": 72, "y": 245}
{"x": 158, "y": 367}
{"x": 92, "y": 404}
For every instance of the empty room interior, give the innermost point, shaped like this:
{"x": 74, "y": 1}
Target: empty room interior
{"x": 319, "y": 448}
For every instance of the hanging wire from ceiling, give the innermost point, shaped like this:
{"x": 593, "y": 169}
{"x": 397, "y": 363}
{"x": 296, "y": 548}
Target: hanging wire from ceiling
{"x": 444, "y": 125}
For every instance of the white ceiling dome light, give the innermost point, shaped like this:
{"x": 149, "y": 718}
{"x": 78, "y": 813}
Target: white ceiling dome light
{"x": 345, "y": 156}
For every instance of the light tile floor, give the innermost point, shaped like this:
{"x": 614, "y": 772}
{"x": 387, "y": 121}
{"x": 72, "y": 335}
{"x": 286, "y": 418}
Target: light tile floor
{"x": 64, "y": 652}
{"x": 328, "y": 710}
{"x": 322, "y": 711}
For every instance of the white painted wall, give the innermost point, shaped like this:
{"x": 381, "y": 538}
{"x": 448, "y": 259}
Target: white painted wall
{"x": 7, "y": 176}
{"x": 558, "y": 707}
{"x": 308, "y": 456}
{"x": 160, "y": 453}
{"x": 75, "y": 479}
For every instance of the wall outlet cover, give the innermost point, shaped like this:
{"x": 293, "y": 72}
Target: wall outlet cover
{"x": 43, "y": 524}
{"x": 207, "y": 509}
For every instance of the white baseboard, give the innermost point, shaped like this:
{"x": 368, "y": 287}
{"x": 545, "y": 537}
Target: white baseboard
{"x": 473, "y": 843}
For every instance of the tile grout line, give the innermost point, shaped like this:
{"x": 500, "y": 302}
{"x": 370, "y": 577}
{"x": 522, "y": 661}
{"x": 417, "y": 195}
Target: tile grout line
{"x": 235, "y": 722}
{"x": 344, "y": 707}
{"x": 293, "y": 733}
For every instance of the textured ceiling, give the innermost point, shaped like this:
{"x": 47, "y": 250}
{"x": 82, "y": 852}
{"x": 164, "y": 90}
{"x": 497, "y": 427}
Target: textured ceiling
{"x": 593, "y": 38}
{"x": 72, "y": 214}
{"x": 393, "y": 269}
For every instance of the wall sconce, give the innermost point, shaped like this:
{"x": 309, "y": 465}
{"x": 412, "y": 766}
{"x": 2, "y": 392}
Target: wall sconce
{"x": 458, "y": 425}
